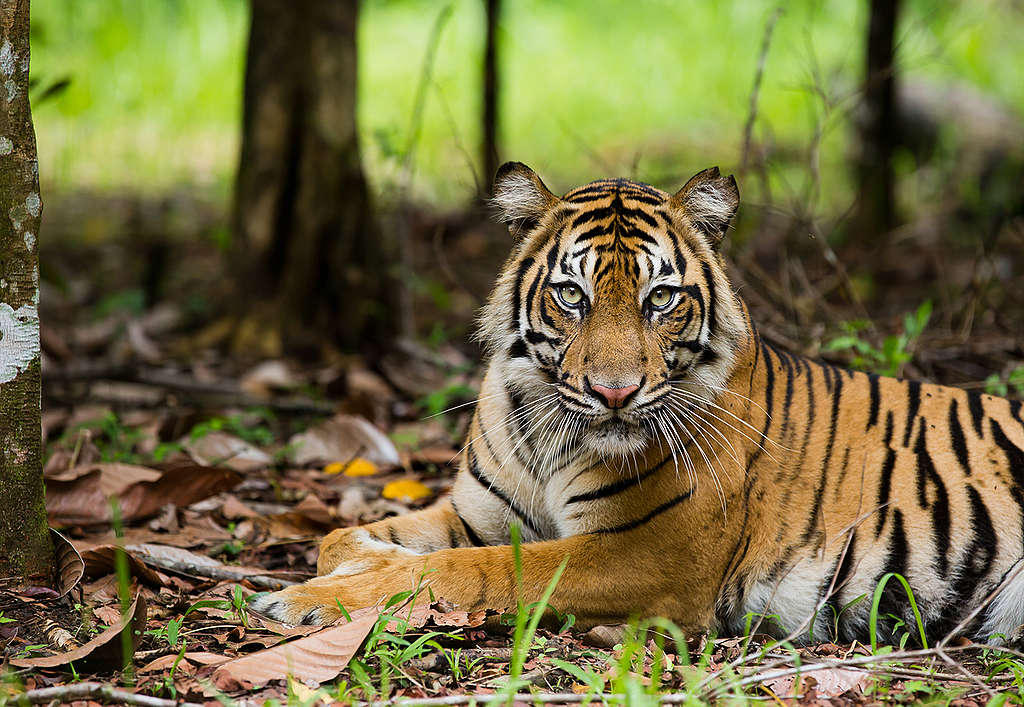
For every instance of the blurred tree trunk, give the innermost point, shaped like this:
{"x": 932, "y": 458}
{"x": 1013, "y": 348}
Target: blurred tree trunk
{"x": 875, "y": 215}
{"x": 24, "y": 534}
{"x": 489, "y": 147}
{"x": 304, "y": 229}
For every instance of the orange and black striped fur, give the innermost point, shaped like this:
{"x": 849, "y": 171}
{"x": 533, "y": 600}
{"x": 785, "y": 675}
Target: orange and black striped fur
{"x": 632, "y": 420}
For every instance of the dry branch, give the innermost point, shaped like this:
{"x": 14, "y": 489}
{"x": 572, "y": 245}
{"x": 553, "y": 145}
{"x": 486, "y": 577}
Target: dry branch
{"x": 62, "y": 694}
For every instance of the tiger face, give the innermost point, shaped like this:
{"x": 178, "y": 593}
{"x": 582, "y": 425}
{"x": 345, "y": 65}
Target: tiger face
{"x": 614, "y": 306}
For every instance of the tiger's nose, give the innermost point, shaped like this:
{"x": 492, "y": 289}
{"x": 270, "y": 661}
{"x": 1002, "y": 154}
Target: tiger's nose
{"x": 612, "y": 397}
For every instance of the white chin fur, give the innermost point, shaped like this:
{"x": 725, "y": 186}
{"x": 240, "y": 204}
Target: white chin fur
{"x": 615, "y": 442}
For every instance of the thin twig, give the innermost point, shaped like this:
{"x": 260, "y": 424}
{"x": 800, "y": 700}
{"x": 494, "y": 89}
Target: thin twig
{"x": 183, "y": 387}
{"x": 762, "y": 58}
{"x": 867, "y": 660}
{"x": 93, "y": 690}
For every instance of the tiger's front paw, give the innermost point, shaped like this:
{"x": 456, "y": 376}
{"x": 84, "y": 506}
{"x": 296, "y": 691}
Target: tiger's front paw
{"x": 305, "y": 603}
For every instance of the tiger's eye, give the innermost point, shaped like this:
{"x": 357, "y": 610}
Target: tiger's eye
{"x": 661, "y": 297}
{"x": 570, "y": 294}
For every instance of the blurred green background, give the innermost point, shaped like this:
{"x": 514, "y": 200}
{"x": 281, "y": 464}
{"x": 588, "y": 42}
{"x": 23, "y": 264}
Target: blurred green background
{"x": 654, "y": 89}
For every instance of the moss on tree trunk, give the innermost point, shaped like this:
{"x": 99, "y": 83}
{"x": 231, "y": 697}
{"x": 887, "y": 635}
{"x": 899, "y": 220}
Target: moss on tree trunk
{"x": 24, "y": 535}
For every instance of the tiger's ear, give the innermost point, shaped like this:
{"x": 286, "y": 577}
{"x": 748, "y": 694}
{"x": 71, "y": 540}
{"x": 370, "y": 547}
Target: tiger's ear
{"x": 520, "y": 197}
{"x": 709, "y": 201}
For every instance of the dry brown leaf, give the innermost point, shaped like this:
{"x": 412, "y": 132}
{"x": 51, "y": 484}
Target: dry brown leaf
{"x": 340, "y": 438}
{"x": 234, "y": 509}
{"x": 318, "y": 657}
{"x": 263, "y": 379}
{"x": 114, "y": 476}
{"x": 109, "y": 614}
{"x": 315, "y": 510}
{"x": 166, "y": 662}
{"x": 80, "y": 496}
{"x": 222, "y": 449}
{"x": 70, "y": 566}
{"x": 204, "y": 658}
{"x": 833, "y": 682}
{"x": 605, "y": 636}
{"x": 104, "y": 651}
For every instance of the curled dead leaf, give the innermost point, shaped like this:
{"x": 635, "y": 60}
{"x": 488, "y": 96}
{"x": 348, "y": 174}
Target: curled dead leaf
{"x": 343, "y": 437}
{"x": 222, "y": 449}
{"x": 318, "y": 657}
{"x": 104, "y": 652}
{"x": 70, "y": 566}
{"x": 79, "y": 496}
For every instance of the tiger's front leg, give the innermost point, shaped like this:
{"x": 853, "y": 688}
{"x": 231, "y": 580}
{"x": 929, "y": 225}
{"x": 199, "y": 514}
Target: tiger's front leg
{"x": 362, "y": 551}
{"x": 607, "y": 577}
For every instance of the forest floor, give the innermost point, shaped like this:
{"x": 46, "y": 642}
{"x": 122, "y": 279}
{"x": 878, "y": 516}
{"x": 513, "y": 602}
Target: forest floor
{"x": 229, "y": 468}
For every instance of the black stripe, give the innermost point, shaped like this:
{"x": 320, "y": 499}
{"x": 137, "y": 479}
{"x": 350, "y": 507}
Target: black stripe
{"x": 875, "y": 400}
{"x": 633, "y": 524}
{"x": 977, "y": 565}
{"x": 977, "y": 411}
{"x": 826, "y": 372}
{"x": 914, "y": 403}
{"x": 536, "y": 337}
{"x": 474, "y": 539}
{"x": 894, "y": 598}
{"x": 786, "y": 360}
{"x": 769, "y": 391}
{"x": 1015, "y": 460}
{"x": 888, "y": 429}
{"x": 820, "y": 489}
{"x": 712, "y": 318}
{"x": 1015, "y": 407}
{"x": 618, "y": 486}
{"x": 474, "y": 470}
{"x": 926, "y": 473}
{"x": 393, "y": 536}
{"x": 959, "y": 440}
{"x": 453, "y": 536}
{"x": 1014, "y": 454}
{"x": 885, "y": 490}
{"x": 517, "y": 292}
{"x": 471, "y": 534}
{"x": 518, "y": 349}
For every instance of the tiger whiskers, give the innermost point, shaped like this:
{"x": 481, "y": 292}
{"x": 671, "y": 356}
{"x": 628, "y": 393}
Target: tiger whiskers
{"x": 675, "y": 444}
{"x": 689, "y": 396}
{"x": 711, "y": 467}
{"x": 506, "y": 421}
{"x": 698, "y": 420}
{"x": 678, "y": 390}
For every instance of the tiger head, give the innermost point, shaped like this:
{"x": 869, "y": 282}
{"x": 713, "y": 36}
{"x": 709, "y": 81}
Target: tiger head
{"x": 614, "y": 305}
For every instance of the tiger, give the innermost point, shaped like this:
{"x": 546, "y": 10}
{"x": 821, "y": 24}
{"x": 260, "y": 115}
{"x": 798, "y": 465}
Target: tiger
{"x": 633, "y": 425}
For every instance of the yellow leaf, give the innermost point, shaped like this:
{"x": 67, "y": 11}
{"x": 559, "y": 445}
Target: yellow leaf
{"x": 356, "y": 467}
{"x": 406, "y": 490}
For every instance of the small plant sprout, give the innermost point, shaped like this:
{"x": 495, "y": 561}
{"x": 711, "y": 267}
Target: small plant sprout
{"x": 896, "y": 350}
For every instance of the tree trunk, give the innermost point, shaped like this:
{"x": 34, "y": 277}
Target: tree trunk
{"x": 24, "y": 536}
{"x": 489, "y": 145}
{"x": 304, "y": 229}
{"x": 875, "y": 215}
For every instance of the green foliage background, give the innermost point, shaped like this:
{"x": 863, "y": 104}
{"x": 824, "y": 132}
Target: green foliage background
{"x": 652, "y": 88}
